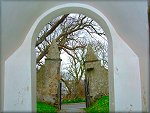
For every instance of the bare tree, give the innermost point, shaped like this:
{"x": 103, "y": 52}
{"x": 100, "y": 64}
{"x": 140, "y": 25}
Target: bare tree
{"x": 101, "y": 50}
{"x": 76, "y": 72}
{"x": 73, "y": 32}
{"x": 65, "y": 29}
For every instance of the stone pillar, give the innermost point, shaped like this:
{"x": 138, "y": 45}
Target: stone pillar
{"x": 97, "y": 75}
{"x": 52, "y": 74}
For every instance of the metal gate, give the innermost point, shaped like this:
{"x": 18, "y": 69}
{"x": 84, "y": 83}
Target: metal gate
{"x": 59, "y": 95}
{"x": 87, "y": 92}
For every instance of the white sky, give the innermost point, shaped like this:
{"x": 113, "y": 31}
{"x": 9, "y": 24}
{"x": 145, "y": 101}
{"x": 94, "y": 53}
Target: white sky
{"x": 65, "y": 57}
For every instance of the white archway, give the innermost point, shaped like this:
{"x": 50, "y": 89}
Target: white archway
{"x": 88, "y": 11}
{"x": 119, "y": 72}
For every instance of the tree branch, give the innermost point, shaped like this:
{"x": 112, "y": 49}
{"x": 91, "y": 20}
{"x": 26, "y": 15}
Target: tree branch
{"x": 51, "y": 30}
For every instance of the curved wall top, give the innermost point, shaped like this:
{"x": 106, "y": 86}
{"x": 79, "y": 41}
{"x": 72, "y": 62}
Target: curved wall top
{"x": 72, "y": 8}
{"x": 118, "y": 13}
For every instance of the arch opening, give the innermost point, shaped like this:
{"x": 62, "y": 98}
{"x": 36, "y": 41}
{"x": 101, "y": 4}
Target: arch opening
{"x": 73, "y": 48}
{"x": 88, "y": 11}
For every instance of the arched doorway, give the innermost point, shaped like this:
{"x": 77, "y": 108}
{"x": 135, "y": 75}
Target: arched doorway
{"x": 114, "y": 59}
{"x": 88, "y": 11}
{"x": 119, "y": 72}
{"x": 73, "y": 49}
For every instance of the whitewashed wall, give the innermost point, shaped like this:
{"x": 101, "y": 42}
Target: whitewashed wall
{"x": 127, "y": 83}
{"x": 128, "y": 53}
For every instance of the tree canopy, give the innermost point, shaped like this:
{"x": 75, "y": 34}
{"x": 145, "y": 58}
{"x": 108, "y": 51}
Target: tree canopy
{"x": 72, "y": 32}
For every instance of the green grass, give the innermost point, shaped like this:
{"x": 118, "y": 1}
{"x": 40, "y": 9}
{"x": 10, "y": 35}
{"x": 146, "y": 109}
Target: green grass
{"x": 100, "y": 106}
{"x": 77, "y": 100}
{"x": 43, "y": 108}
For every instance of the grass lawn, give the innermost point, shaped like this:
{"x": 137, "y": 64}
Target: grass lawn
{"x": 43, "y": 107}
{"x": 73, "y": 100}
{"x": 100, "y": 106}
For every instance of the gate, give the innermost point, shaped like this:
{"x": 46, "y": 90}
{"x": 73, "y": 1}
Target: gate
{"x": 87, "y": 92}
{"x": 59, "y": 95}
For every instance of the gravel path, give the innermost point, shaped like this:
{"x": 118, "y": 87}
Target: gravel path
{"x": 73, "y": 108}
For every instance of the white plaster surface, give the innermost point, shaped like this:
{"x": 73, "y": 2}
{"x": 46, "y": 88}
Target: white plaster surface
{"x": 129, "y": 52}
{"x": 127, "y": 84}
{"x": 18, "y": 78}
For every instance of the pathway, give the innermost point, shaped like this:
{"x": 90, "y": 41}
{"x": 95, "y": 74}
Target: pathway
{"x": 73, "y": 108}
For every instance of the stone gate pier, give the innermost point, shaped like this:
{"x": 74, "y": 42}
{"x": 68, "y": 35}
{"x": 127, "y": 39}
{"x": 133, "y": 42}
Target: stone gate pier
{"x": 96, "y": 75}
{"x": 52, "y": 74}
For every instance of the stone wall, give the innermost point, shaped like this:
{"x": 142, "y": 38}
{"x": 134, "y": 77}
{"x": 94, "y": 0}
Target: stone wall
{"x": 97, "y": 76}
{"x": 40, "y": 83}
